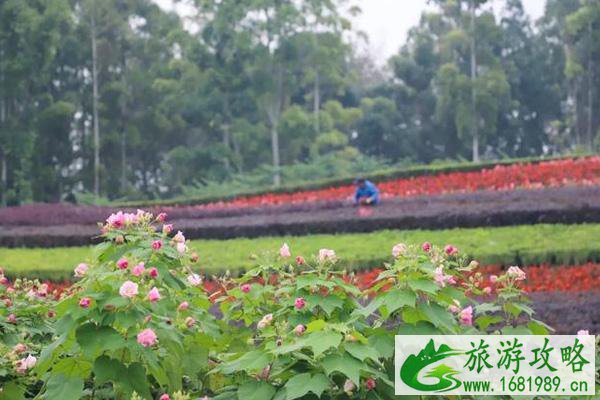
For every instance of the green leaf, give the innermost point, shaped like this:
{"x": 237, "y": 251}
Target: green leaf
{"x": 396, "y": 298}
{"x": 370, "y": 308}
{"x": 327, "y": 303}
{"x": 135, "y": 380}
{"x": 383, "y": 344}
{"x": 12, "y": 391}
{"x": 108, "y": 369}
{"x": 256, "y": 390}
{"x": 515, "y": 330}
{"x": 64, "y": 387}
{"x": 47, "y": 354}
{"x": 307, "y": 280}
{"x": 252, "y": 361}
{"x": 321, "y": 341}
{"x": 345, "y": 364}
{"x": 73, "y": 367}
{"x": 420, "y": 328}
{"x": 300, "y": 385}
{"x": 486, "y": 320}
{"x": 423, "y": 285}
{"x": 315, "y": 326}
{"x": 411, "y": 315}
{"x": 438, "y": 315}
{"x": 361, "y": 351}
{"x": 94, "y": 339}
{"x": 539, "y": 328}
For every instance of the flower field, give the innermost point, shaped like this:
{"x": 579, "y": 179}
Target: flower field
{"x": 139, "y": 322}
{"x": 485, "y": 208}
{"x": 151, "y": 314}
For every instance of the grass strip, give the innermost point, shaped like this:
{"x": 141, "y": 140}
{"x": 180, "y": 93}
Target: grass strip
{"x": 519, "y": 245}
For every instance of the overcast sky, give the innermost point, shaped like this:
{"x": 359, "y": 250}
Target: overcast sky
{"x": 386, "y": 22}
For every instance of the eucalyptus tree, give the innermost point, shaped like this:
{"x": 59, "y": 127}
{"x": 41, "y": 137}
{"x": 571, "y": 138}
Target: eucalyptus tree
{"x": 583, "y": 28}
{"x": 29, "y": 34}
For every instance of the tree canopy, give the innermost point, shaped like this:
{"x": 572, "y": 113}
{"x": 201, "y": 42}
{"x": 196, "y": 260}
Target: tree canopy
{"x": 128, "y": 100}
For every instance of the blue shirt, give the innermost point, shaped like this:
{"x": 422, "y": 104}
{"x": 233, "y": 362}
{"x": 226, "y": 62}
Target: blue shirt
{"x": 368, "y": 190}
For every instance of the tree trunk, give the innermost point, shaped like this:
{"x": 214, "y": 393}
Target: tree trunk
{"x": 226, "y": 133}
{"x": 590, "y": 94}
{"x": 123, "y": 160}
{"x": 124, "y": 125}
{"x": 3, "y": 173}
{"x": 274, "y": 113}
{"x": 96, "y": 126}
{"x": 474, "y": 122}
{"x": 275, "y": 150}
{"x": 317, "y": 103}
{"x": 3, "y": 177}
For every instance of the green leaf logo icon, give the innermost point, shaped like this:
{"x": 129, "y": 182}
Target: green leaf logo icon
{"x": 414, "y": 364}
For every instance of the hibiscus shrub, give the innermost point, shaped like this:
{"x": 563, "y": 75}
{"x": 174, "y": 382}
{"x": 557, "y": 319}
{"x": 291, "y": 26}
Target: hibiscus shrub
{"x": 140, "y": 324}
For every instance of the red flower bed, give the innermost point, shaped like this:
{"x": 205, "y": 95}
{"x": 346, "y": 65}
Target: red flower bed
{"x": 542, "y": 278}
{"x": 584, "y": 172}
{"x": 568, "y": 278}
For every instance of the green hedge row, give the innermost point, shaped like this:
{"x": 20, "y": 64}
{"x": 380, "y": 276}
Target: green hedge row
{"x": 383, "y": 175}
{"x": 519, "y": 245}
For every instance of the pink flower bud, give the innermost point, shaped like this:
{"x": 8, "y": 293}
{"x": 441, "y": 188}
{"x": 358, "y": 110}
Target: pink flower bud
{"x": 194, "y": 279}
{"x": 349, "y": 387}
{"x": 370, "y": 384}
{"x": 138, "y": 270}
{"x": 426, "y": 247}
{"x": 20, "y": 348}
{"x": 450, "y": 250}
{"x": 156, "y": 245}
{"x": 81, "y": 270}
{"x": 85, "y": 302}
{"x": 153, "y": 295}
{"x": 245, "y": 288}
{"x": 11, "y": 319}
{"x": 51, "y": 314}
{"x": 466, "y": 316}
{"x": 162, "y": 217}
{"x": 189, "y": 322}
{"x": 183, "y": 306}
{"x": 284, "y": 251}
{"x": 399, "y": 250}
{"x": 299, "y": 329}
{"x": 164, "y": 397}
{"x": 167, "y": 228}
{"x": 300, "y": 260}
{"x": 300, "y": 303}
{"x": 122, "y": 263}
{"x": 3, "y": 280}
{"x": 153, "y": 272}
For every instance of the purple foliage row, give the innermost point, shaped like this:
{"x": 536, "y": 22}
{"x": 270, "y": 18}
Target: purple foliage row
{"x": 493, "y": 208}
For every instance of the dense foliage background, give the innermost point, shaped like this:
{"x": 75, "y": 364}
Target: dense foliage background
{"x": 122, "y": 99}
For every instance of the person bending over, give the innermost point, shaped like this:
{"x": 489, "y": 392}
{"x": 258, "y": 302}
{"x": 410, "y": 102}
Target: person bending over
{"x": 366, "y": 192}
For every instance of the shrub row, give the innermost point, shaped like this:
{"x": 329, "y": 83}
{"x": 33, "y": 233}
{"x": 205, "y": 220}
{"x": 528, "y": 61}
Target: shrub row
{"x": 520, "y": 207}
{"x": 520, "y": 245}
{"x": 378, "y": 176}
